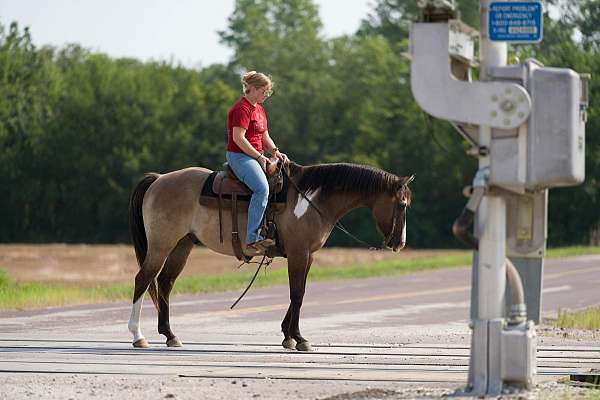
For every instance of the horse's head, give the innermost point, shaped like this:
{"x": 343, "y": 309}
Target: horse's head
{"x": 389, "y": 211}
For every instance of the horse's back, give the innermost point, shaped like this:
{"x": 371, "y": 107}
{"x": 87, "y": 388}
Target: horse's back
{"x": 174, "y": 197}
{"x": 186, "y": 180}
{"x": 188, "y": 175}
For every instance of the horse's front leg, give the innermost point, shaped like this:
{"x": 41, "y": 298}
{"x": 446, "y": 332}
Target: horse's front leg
{"x": 298, "y": 267}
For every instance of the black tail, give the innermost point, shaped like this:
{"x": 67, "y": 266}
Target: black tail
{"x": 136, "y": 226}
{"x": 136, "y": 219}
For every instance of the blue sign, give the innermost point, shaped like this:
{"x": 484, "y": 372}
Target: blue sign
{"x": 519, "y": 22}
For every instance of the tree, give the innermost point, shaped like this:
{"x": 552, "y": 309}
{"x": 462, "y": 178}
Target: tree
{"x": 28, "y": 90}
{"x": 282, "y": 38}
{"x": 78, "y": 129}
{"x": 392, "y": 18}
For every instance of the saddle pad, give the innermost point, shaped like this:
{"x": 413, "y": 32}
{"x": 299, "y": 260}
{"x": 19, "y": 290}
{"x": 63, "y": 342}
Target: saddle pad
{"x": 207, "y": 191}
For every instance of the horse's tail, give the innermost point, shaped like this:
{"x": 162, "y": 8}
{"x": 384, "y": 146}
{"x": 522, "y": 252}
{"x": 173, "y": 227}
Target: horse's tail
{"x": 136, "y": 226}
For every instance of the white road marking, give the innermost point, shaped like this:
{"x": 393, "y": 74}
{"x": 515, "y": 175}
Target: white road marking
{"x": 557, "y": 289}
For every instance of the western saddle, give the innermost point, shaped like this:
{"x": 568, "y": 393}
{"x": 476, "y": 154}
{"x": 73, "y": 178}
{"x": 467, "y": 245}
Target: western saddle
{"x": 224, "y": 191}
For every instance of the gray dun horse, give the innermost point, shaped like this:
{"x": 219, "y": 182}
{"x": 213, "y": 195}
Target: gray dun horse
{"x": 166, "y": 219}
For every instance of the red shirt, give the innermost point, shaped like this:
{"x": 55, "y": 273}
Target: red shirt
{"x": 252, "y": 118}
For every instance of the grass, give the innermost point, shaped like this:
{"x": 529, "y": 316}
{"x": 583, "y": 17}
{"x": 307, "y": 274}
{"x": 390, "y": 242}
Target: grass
{"x": 572, "y": 251}
{"x": 584, "y": 319}
{"x": 29, "y": 295}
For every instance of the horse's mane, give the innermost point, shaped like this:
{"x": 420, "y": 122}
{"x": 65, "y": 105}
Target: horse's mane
{"x": 348, "y": 178}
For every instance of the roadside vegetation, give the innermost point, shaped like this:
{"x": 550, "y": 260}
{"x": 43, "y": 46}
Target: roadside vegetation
{"x": 582, "y": 319}
{"x": 31, "y": 295}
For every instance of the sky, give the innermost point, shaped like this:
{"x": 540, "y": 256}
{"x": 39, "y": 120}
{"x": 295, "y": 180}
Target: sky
{"x": 182, "y": 31}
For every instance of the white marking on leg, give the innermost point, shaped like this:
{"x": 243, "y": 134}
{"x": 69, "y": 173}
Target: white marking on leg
{"x": 302, "y": 204}
{"x": 134, "y": 320}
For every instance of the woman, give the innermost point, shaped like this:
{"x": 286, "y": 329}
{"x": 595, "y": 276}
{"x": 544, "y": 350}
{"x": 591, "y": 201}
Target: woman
{"x": 247, "y": 133}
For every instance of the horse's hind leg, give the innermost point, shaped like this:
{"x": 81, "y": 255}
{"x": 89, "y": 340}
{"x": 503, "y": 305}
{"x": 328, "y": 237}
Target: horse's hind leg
{"x": 152, "y": 265}
{"x": 173, "y": 267}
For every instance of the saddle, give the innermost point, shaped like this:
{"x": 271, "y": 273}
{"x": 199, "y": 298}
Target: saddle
{"x": 223, "y": 190}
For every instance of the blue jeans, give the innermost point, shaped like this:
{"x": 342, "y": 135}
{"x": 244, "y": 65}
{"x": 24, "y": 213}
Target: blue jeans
{"x": 249, "y": 171}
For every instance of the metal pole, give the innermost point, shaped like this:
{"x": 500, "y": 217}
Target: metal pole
{"x": 490, "y": 274}
{"x": 492, "y": 214}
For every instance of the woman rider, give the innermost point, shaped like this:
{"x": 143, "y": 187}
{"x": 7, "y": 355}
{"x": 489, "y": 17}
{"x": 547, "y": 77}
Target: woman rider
{"x": 247, "y": 133}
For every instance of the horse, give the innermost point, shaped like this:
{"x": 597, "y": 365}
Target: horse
{"x": 166, "y": 220}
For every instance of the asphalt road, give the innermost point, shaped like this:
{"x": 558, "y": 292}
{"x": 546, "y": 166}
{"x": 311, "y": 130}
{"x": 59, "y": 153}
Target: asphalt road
{"x": 408, "y": 332}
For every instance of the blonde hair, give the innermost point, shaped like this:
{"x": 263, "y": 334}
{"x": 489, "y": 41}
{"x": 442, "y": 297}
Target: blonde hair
{"x": 255, "y": 79}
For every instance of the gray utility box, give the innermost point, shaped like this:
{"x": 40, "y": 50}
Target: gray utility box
{"x": 556, "y": 146}
{"x": 549, "y": 150}
{"x": 517, "y": 362}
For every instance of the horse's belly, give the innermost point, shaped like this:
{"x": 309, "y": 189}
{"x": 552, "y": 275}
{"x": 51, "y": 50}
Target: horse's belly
{"x": 206, "y": 228}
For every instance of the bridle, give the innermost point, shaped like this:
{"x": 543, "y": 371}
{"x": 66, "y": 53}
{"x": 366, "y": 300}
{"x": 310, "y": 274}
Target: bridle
{"x": 399, "y": 208}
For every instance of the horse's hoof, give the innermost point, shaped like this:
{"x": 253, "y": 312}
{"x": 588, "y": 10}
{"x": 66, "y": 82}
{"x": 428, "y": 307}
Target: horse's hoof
{"x": 174, "y": 342}
{"x": 141, "y": 343}
{"x": 304, "y": 346}
{"x": 289, "y": 343}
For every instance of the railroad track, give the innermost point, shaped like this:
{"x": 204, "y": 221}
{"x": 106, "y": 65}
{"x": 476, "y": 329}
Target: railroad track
{"x": 340, "y": 362}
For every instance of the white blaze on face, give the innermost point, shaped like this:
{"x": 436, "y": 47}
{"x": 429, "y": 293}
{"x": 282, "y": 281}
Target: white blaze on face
{"x": 404, "y": 231}
{"x": 302, "y": 204}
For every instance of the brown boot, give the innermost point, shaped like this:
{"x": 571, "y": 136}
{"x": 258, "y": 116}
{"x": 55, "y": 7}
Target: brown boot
{"x": 261, "y": 245}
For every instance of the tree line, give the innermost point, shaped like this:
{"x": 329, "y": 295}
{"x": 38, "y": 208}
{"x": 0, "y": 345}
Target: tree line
{"x": 78, "y": 129}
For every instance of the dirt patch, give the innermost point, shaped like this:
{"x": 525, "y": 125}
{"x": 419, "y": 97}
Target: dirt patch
{"x": 90, "y": 265}
{"x": 550, "y": 331}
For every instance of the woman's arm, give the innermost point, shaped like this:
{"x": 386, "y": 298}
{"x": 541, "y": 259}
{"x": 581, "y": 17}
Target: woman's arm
{"x": 271, "y": 148}
{"x": 239, "y": 138}
{"x": 268, "y": 143}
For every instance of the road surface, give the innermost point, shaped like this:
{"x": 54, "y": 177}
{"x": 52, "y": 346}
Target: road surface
{"x": 371, "y": 337}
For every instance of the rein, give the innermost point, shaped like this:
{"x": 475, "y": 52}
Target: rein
{"x": 253, "y": 278}
{"x": 280, "y": 168}
{"x": 337, "y": 225}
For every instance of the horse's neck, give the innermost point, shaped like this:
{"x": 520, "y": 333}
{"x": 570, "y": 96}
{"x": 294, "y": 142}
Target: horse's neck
{"x": 337, "y": 204}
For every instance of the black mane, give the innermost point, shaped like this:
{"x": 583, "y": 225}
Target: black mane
{"x": 347, "y": 178}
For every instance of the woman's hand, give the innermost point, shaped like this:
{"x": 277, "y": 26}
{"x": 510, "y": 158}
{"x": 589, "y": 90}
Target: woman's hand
{"x": 282, "y": 157}
{"x": 263, "y": 161}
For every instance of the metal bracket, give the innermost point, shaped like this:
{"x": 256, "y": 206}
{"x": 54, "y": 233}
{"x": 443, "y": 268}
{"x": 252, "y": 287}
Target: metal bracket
{"x": 495, "y": 104}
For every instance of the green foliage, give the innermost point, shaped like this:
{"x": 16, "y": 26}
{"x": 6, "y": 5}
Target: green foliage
{"x": 78, "y": 129}
{"x": 392, "y": 18}
{"x": 5, "y": 280}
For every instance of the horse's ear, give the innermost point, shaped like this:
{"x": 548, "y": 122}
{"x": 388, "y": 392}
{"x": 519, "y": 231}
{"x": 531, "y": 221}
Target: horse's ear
{"x": 408, "y": 179}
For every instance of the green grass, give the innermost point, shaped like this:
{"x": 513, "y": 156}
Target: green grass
{"x": 31, "y": 295}
{"x": 14, "y": 295}
{"x": 583, "y": 319}
{"x": 572, "y": 251}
